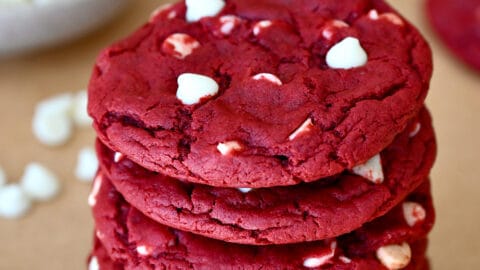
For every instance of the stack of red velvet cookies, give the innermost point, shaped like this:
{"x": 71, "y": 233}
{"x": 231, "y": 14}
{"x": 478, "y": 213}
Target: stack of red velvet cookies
{"x": 264, "y": 134}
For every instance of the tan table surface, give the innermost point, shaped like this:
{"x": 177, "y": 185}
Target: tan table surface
{"x": 57, "y": 235}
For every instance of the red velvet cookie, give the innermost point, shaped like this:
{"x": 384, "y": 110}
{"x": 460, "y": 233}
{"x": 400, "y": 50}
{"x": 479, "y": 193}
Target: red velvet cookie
{"x": 458, "y": 24}
{"x": 136, "y": 242}
{"x": 260, "y": 93}
{"x": 100, "y": 260}
{"x": 279, "y": 215}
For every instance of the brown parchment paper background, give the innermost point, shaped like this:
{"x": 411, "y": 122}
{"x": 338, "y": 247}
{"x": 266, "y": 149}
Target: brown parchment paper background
{"x": 57, "y": 235}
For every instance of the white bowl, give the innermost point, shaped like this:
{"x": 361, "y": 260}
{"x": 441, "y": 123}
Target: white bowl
{"x": 28, "y": 26}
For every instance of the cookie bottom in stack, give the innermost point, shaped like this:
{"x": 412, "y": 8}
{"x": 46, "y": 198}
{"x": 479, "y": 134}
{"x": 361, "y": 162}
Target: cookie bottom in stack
{"x": 126, "y": 239}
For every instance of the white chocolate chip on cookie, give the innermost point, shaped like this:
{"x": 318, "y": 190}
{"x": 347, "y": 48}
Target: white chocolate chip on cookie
{"x": 192, "y": 88}
{"x": 371, "y": 170}
{"x": 395, "y": 257}
{"x": 179, "y": 45}
{"x": 197, "y": 9}
{"x": 347, "y": 54}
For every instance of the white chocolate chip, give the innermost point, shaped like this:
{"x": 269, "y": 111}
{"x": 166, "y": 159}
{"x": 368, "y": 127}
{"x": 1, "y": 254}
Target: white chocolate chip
{"x": 395, "y": 257}
{"x": 14, "y": 203}
{"x": 245, "y": 190}
{"x": 92, "y": 198}
{"x": 391, "y": 17}
{"x": 117, "y": 157}
{"x": 3, "y": 178}
{"x": 39, "y": 183}
{"x": 228, "y": 23}
{"x": 345, "y": 259}
{"x": 371, "y": 170}
{"x": 258, "y": 27}
{"x": 317, "y": 261}
{"x": 159, "y": 10}
{"x": 144, "y": 250}
{"x": 79, "y": 110}
{"x": 415, "y": 130}
{"x": 226, "y": 148}
{"x": 192, "y": 88}
{"x": 332, "y": 27}
{"x": 99, "y": 235}
{"x": 268, "y": 77}
{"x": 87, "y": 165}
{"x": 347, "y": 54}
{"x": 93, "y": 264}
{"x": 180, "y": 45}
{"x": 413, "y": 213}
{"x": 52, "y": 124}
{"x": 305, "y": 127}
{"x": 197, "y": 9}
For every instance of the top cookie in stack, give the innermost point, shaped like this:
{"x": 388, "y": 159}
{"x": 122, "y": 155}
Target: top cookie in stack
{"x": 260, "y": 93}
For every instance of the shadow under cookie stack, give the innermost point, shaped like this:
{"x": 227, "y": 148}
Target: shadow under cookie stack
{"x": 246, "y": 134}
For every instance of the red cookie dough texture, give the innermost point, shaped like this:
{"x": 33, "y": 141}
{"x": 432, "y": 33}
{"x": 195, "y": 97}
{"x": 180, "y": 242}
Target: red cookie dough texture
{"x": 139, "y": 243}
{"x": 458, "y": 25}
{"x": 286, "y": 94}
{"x": 279, "y": 215}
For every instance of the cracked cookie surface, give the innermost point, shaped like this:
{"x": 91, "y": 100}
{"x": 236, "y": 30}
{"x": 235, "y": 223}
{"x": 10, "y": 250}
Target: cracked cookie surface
{"x": 280, "y": 115}
{"x": 137, "y": 242}
{"x": 278, "y": 215}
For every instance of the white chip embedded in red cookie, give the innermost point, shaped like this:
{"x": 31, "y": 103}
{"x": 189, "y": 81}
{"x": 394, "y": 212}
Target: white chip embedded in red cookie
{"x": 268, "y": 77}
{"x": 347, "y": 54}
{"x": 305, "y": 127}
{"x": 395, "y": 19}
{"x": 371, "y": 170}
{"x": 179, "y": 45}
{"x": 227, "y": 148}
{"x": 192, "y": 88}
{"x": 395, "y": 257}
{"x": 261, "y": 25}
{"x": 413, "y": 213}
{"x": 197, "y": 9}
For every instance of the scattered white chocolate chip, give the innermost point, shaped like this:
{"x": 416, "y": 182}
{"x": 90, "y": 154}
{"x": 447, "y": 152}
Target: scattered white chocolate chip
{"x": 87, "y": 164}
{"x": 92, "y": 198}
{"x": 144, "y": 250}
{"x": 415, "y": 130}
{"x": 52, "y": 124}
{"x": 228, "y": 23}
{"x": 245, "y": 190}
{"x": 391, "y": 17}
{"x": 192, "y": 88}
{"x": 345, "y": 259}
{"x": 39, "y": 183}
{"x": 159, "y": 10}
{"x": 305, "y": 127}
{"x": 197, "y": 9}
{"x": 268, "y": 77}
{"x": 3, "y": 178}
{"x": 413, "y": 213}
{"x": 14, "y": 203}
{"x": 180, "y": 45}
{"x": 93, "y": 264}
{"x": 371, "y": 170}
{"x": 117, "y": 157}
{"x": 79, "y": 110}
{"x": 317, "y": 261}
{"x": 347, "y": 54}
{"x": 259, "y": 26}
{"x": 226, "y": 148}
{"x": 395, "y": 257}
{"x": 332, "y": 27}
